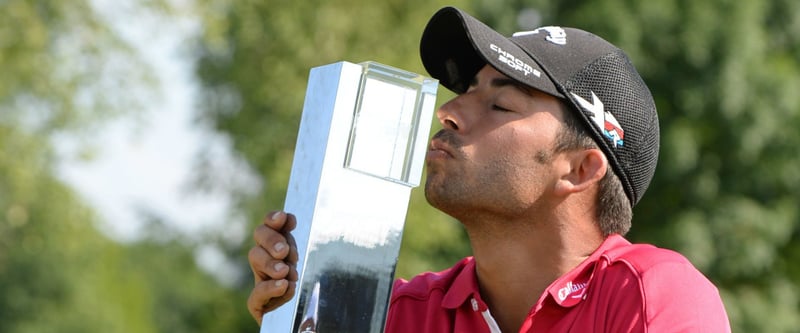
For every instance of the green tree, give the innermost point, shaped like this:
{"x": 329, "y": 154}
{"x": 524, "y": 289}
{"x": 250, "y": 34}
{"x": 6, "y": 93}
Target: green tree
{"x": 61, "y": 67}
{"x": 41, "y": 281}
{"x": 162, "y": 277}
{"x": 46, "y": 242}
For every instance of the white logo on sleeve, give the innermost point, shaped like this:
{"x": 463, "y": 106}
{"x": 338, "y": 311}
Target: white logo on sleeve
{"x": 605, "y": 121}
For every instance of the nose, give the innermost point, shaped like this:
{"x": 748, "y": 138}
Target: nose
{"x": 449, "y": 116}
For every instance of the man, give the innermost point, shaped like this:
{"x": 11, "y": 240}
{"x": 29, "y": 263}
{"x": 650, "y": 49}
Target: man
{"x": 551, "y": 141}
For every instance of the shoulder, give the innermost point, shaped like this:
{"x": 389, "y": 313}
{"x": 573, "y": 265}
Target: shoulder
{"x": 669, "y": 288}
{"x": 653, "y": 267}
{"x": 423, "y": 285}
{"x": 644, "y": 257}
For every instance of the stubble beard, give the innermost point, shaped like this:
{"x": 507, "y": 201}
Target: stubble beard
{"x": 493, "y": 190}
{"x": 496, "y": 188}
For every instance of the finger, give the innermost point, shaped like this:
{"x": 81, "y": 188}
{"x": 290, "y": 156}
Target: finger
{"x": 271, "y": 241}
{"x": 292, "y": 256}
{"x": 258, "y": 305}
{"x": 257, "y": 257}
{"x": 276, "y": 220}
{"x": 265, "y": 267}
{"x": 292, "y": 274}
{"x": 280, "y": 300}
{"x": 264, "y": 296}
{"x": 290, "y": 224}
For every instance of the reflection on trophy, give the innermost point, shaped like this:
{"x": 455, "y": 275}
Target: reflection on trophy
{"x": 360, "y": 149}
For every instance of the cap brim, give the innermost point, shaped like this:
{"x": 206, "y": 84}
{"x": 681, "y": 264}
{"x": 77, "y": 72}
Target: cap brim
{"x": 455, "y": 46}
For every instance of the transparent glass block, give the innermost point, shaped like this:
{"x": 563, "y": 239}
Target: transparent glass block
{"x": 385, "y": 138}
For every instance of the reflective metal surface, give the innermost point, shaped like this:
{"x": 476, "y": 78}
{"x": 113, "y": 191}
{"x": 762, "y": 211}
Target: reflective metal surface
{"x": 361, "y": 147}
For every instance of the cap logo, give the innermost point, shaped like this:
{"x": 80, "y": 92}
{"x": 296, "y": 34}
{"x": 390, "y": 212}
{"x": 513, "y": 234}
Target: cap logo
{"x": 512, "y": 61}
{"x": 605, "y": 121}
{"x": 555, "y": 35}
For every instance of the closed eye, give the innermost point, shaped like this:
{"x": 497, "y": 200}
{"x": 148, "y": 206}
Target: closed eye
{"x": 499, "y": 108}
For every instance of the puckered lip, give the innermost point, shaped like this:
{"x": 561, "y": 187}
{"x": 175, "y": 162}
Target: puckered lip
{"x": 439, "y": 146}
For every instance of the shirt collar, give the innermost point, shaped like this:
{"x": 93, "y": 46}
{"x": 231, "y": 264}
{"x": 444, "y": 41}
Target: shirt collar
{"x": 567, "y": 291}
{"x": 570, "y": 289}
{"x": 464, "y": 287}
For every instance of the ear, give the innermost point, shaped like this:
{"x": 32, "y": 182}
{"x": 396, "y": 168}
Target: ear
{"x": 585, "y": 168}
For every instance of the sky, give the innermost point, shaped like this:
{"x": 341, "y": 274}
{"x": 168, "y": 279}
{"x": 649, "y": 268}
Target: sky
{"x": 144, "y": 162}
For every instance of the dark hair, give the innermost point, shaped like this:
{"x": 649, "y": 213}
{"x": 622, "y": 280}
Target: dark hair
{"x": 613, "y": 211}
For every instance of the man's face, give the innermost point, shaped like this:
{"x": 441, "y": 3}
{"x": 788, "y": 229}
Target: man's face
{"x": 495, "y": 151}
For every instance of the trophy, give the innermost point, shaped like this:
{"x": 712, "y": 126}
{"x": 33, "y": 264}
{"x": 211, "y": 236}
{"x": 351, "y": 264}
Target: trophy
{"x": 360, "y": 150}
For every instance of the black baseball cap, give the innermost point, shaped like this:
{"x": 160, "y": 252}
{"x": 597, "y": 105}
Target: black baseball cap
{"x": 592, "y": 76}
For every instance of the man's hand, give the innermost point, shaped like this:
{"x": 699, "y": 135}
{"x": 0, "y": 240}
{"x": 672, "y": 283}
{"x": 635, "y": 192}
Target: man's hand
{"x": 273, "y": 261}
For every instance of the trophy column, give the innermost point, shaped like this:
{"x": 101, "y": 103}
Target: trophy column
{"x": 360, "y": 150}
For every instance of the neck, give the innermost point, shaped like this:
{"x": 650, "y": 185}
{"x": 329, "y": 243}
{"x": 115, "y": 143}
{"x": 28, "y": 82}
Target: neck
{"x": 517, "y": 260}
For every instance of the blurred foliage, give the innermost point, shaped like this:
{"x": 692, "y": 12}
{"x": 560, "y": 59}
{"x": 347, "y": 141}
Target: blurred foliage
{"x": 58, "y": 61}
{"x": 64, "y": 72}
{"x": 58, "y": 273}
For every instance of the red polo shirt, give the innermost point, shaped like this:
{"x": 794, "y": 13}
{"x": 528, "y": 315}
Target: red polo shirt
{"x": 620, "y": 288}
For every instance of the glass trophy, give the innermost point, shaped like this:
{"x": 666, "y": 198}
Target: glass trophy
{"x": 360, "y": 149}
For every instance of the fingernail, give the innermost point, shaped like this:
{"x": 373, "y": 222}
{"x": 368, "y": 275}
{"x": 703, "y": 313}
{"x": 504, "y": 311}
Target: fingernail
{"x": 275, "y": 215}
{"x": 279, "y": 266}
{"x": 280, "y": 283}
{"x": 279, "y": 246}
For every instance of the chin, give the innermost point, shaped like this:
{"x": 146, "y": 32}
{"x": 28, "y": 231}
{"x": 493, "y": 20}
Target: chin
{"x": 440, "y": 200}
{"x": 433, "y": 194}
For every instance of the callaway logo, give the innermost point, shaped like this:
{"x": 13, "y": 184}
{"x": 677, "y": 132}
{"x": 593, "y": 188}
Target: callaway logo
{"x": 512, "y": 61}
{"x": 555, "y": 35}
{"x": 604, "y": 120}
{"x": 571, "y": 289}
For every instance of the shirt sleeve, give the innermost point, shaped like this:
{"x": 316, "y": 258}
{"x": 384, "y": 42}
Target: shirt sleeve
{"x": 678, "y": 298}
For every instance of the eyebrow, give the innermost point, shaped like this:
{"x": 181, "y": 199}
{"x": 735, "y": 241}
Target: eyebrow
{"x": 504, "y": 82}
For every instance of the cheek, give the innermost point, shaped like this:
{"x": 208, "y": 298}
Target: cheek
{"x": 517, "y": 146}
{"x": 510, "y": 161}
{"x": 522, "y": 145}
{"x": 519, "y": 158}
{"x": 493, "y": 148}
